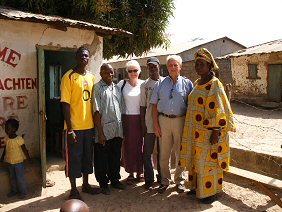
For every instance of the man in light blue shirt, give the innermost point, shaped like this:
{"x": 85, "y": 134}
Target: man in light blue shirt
{"x": 169, "y": 105}
{"x": 107, "y": 106}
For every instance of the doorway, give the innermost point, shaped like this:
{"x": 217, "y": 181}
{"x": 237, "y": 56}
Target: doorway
{"x": 52, "y": 64}
{"x": 275, "y": 82}
{"x": 56, "y": 64}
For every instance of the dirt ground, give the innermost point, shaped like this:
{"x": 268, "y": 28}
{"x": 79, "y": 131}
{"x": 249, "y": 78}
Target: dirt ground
{"x": 237, "y": 195}
{"x": 258, "y": 130}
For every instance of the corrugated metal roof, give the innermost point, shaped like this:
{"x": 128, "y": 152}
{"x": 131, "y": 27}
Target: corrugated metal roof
{"x": 162, "y": 51}
{"x": 172, "y": 49}
{"x": 59, "y": 22}
{"x": 272, "y": 46}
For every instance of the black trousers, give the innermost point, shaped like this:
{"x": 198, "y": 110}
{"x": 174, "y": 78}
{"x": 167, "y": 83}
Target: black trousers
{"x": 107, "y": 161}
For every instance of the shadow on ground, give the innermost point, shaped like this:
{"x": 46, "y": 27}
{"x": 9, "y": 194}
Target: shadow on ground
{"x": 136, "y": 198}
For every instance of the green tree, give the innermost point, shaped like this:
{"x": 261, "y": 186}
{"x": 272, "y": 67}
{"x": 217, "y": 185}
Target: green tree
{"x": 146, "y": 19}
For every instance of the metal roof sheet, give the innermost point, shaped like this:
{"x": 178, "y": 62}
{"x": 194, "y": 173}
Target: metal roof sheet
{"x": 272, "y": 46}
{"x": 172, "y": 49}
{"x": 59, "y": 22}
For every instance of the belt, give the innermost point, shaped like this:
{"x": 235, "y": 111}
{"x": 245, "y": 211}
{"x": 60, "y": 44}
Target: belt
{"x": 170, "y": 116}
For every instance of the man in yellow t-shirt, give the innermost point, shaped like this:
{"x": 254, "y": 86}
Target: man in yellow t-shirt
{"x": 76, "y": 92}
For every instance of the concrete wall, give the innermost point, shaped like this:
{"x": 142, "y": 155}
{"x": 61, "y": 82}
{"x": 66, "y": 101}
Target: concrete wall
{"x": 188, "y": 70}
{"x": 244, "y": 87}
{"x": 18, "y": 64}
{"x": 219, "y": 47}
{"x": 256, "y": 162}
{"x": 225, "y": 74}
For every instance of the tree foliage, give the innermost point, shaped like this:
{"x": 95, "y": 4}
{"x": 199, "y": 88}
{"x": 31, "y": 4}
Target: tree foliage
{"x": 146, "y": 19}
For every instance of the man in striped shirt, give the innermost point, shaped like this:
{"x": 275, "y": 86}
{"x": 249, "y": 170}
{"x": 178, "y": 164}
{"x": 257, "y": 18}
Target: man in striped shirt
{"x": 107, "y": 106}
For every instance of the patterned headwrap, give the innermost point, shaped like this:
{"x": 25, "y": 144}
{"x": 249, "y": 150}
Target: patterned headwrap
{"x": 204, "y": 54}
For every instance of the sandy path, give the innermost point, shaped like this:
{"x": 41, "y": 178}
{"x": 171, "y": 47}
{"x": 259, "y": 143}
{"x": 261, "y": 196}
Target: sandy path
{"x": 237, "y": 195}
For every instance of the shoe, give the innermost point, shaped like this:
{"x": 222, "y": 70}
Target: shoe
{"x": 208, "y": 200}
{"x": 140, "y": 178}
{"x": 119, "y": 185}
{"x": 74, "y": 194}
{"x": 180, "y": 188}
{"x": 22, "y": 196}
{"x": 162, "y": 188}
{"x": 191, "y": 192}
{"x": 159, "y": 179}
{"x": 105, "y": 191}
{"x": 130, "y": 180}
{"x": 148, "y": 186}
{"x": 90, "y": 190}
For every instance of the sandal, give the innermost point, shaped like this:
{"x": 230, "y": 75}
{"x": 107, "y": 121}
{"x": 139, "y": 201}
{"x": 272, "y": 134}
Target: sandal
{"x": 140, "y": 178}
{"x": 90, "y": 190}
{"x": 74, "y": 194}
{"x": 50, "y": 183}
{"x": 191, "y": 192}
{"x": 130, "y": 180}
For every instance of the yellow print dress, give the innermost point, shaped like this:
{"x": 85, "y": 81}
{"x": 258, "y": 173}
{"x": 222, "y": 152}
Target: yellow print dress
{"x": 208, "y": 108}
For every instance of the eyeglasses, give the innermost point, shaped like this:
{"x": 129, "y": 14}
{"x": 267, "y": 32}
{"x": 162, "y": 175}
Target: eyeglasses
{"x": 134, "y": 70}
{"x": 170, "y": 94}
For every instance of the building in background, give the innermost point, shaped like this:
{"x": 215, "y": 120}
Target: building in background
{"x": 218, "y": 47}
{"x": 35, "y": 51}
{"x": 257, "y": 72}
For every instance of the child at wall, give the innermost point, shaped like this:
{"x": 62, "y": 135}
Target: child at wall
{"x": 15, "y": 153}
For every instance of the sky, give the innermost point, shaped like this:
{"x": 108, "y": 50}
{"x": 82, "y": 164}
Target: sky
{"x": 249, "y": 22}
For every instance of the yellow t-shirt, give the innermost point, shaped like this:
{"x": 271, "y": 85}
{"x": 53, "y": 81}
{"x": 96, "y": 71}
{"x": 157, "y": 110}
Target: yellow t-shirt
{"x": 76, "y": 90}
{"x": 14, "y": 153}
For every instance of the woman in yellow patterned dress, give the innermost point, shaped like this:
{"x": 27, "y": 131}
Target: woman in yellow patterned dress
{"x": 205, "y": 145}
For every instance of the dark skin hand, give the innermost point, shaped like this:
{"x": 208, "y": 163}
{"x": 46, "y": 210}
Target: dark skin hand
{"x": 3, "y": 154}
{"x": 214, "y": 136}
{"x": 71, "y": 137}
{"x": 101, "y": 136}
{"x": 142, "y": 116}
{"x": 25, "y": 151}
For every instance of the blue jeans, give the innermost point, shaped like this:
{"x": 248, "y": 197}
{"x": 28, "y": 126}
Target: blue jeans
{"x": 17, "y": 178}
{"x": 148, "y": 148}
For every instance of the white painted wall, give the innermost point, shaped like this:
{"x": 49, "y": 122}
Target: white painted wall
{"x": 22, "y": 38}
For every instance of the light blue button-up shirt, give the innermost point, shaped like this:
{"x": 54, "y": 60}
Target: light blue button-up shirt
{"x": 170, "y": 98}
{"x": 108, "y": 101}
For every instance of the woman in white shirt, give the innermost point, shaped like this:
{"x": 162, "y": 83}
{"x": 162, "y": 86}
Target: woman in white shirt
{"x": 133, "y": 141}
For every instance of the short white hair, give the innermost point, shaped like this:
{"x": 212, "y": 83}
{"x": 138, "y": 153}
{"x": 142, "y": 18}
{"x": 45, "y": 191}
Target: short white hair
{"x": 133, "y": 63}
{"x": 174, "y": 57}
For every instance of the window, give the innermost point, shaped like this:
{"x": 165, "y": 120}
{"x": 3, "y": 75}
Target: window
{"x": 253, "y": 71}
{"x": 55, "y": 76}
